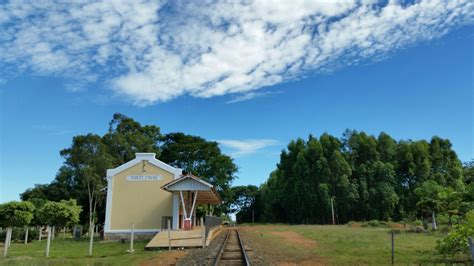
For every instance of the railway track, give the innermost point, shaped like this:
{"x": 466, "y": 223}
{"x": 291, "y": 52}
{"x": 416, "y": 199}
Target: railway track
{"x": 232, "y": 251}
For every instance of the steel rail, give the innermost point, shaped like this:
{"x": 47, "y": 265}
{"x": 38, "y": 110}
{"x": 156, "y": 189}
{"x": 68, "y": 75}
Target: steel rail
{"x": 221, "y": 250}
{"x": 244, "y": 252}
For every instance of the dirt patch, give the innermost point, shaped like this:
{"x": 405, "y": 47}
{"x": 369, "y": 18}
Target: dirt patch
{"x": 166, "y": 258}
{"x": 295, "y": 238}
{"x": 355, "y": 225}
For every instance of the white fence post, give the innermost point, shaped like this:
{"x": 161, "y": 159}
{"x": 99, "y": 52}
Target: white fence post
{"x": 10, "y": 237}
{"x": 132, "y": 235}
{"x": 26, "y": 235}
{"x": 91, "y": 238}
{"x": 7, "y": 241}
{"x": 48, "y": 242}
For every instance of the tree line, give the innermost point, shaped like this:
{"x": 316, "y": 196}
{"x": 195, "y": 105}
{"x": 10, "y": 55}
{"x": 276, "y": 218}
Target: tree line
{"x": 364, "y": 178}
{"x": 359, "y": 176}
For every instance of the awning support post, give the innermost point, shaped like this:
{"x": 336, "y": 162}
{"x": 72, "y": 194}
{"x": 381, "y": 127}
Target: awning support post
{"x": 182, "y": 204}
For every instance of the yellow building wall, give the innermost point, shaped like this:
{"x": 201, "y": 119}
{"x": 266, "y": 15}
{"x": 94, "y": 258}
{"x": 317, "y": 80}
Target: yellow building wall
{"x": 141, "y": 202}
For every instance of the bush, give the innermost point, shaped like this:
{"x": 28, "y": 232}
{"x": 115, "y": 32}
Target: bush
{"x": 456, "y": 240}
{"x": 351, "y": 223}
{"x": 375, "y": 223}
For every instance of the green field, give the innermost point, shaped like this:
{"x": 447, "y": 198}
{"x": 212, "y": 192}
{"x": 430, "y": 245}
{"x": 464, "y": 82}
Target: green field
{"x": 70, "y": 252}
{"x": 273, "y": 244}
{"x": 335, "y": 245}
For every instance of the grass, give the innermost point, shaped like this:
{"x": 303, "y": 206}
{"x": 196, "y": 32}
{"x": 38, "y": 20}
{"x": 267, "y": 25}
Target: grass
{"x": 324, "y": 244}
{"x": 71, "y": 252}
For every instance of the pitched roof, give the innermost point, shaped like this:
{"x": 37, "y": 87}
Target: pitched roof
{"x": 207, "y": 192}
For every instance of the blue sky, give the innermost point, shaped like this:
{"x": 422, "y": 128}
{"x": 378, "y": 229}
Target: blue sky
{"x": 388, "y": 70}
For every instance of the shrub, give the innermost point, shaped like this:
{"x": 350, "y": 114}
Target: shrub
{"x": 351, "y": 223}
{"x": 375, "y": 223}
{"x": 456, "y": 240}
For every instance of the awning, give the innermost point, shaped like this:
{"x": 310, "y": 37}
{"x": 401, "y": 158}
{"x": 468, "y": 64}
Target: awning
{"x": 206, "y": 193}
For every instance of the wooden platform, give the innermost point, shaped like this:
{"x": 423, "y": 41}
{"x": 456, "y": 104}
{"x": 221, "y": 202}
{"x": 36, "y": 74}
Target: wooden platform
{"x": 179, "y": 238}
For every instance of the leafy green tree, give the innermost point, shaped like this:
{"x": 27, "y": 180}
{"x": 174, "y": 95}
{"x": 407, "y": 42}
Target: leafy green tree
{"x": 468, "y": 173}
{"x": 446, "y": 169}
{"x": 16, "y": 213}
{"x": 302, "y": 193}
{"x": 88, "y": 157}
{"x": 429, "y": 200}
{"x": 127, "y": 137}
{"x": 63, "y": 213}
{"x": 456, "y": 240}
{"x": 318, "y": 194}
{"x": 450, "y": 202}
{"x": 386, "y": 147}
{"x": 203, "y": 158}
{"x": 88, "y": 160}
{"x": 243, "y": 203}
{"x": 368, "y": 177}
{"x": 243, "y": 197}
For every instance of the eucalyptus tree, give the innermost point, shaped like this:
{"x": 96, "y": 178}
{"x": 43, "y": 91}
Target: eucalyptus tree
{"x": 88, "y": 158}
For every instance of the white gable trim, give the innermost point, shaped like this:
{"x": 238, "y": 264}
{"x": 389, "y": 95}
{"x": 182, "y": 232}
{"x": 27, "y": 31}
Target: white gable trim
{"x": 150, "y": 157}
{"x": 188, "y": 184}
{"x": 186, "y": 179}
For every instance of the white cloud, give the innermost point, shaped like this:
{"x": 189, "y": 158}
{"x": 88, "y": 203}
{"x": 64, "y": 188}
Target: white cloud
{"x": 245, "y": 147}
{"x": 251, "y": 95}
{"x": 159, "y": 50}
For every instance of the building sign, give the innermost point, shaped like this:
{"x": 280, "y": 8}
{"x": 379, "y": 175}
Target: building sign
{"x": 144, "y": 178}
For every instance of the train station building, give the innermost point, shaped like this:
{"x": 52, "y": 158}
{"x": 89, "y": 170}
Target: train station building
{"x": 145, "y": 193}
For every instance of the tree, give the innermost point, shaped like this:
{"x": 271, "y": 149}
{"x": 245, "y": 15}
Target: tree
{"x": 368, "y": 177}
{"x": 61, "y": 213}
{"x": 88, "y": 160}
{"x": 16, "y": 213}
{"x": 429, "y": 202}
{"x": 456, "y": 240}
{"x": 450, "y": 203}
{"x": 58, "y": 214}
{"x": 243, "y": 202}
{"x": 203, "y": 158}
{"x": 88, "y": 157}
{"x": 127, "y": 137}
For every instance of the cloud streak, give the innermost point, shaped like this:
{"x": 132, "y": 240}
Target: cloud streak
{"x": 157, "y": 51}
{"x": 245, "y": 147}
{"x": 251, "y": 95}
